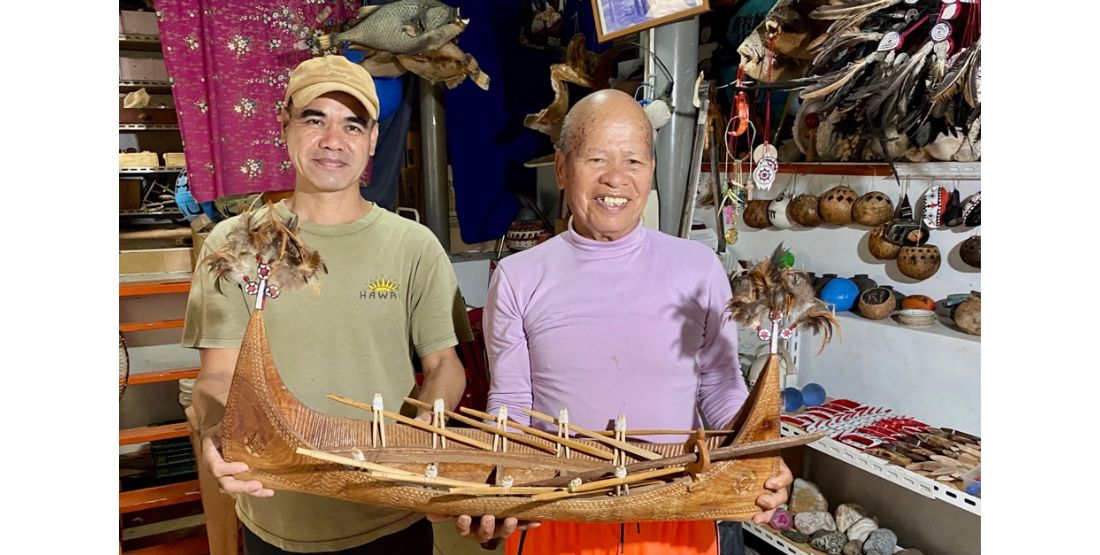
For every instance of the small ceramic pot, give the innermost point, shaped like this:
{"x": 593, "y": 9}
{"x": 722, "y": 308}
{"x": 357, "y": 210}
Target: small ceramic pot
{"x": 840, "y": 293}
{"x": 918, "y": 302}
{"x": 864, "y": 282}
{"x": 971, "y": 251}
{"x": 968, "y": 315}
{"x": 803, "y": 210}
{"x": 872, "y": 209}
{"x": 881, "y": 248}
{"x": 876, "y": 303}
{"x": 756, "y": 214}
{"x": 919, "y": 262}
{"x": 820, "y": 282}
{"x": 835, "y": 205}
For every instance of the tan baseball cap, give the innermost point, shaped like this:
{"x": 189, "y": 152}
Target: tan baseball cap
{"x": 326, "y": 74}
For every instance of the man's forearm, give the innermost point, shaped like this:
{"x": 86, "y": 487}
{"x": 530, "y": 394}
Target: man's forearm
{"x": 444, "y": 378}
{"x": 211, "y": 389}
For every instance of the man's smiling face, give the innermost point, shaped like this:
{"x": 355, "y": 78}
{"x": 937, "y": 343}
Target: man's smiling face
{"x": 608, "y": 173}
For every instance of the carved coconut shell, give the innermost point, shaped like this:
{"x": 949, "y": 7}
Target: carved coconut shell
{"x": 835, "y": 205}
{"x": 803, "y": 210}
{"x": 873, "y": 208}
{"x": 919, "y": 262}
{"x": 876, "y": 303}
{"x": 756, "y": 214}
{"x": 881, "y": 248}
{"x": 968, "y": 315}
{"x": 971, "y": 251}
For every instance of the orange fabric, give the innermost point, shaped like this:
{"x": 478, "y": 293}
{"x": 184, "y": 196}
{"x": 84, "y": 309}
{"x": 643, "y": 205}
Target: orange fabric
{"x": 693, "y": 537}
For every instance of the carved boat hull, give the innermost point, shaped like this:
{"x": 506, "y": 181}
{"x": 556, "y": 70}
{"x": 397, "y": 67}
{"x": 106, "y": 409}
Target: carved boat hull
{"x": 265, "y": 426}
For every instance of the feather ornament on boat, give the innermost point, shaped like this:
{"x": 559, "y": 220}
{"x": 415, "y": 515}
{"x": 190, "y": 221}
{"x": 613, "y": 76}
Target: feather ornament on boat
{"x": 265, "y": 237}
{"x": 772, "y": 289}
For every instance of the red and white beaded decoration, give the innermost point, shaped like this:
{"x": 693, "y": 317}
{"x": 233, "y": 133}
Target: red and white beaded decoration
{"x": 261, "y": 288}
{"x": 775, "y": 333}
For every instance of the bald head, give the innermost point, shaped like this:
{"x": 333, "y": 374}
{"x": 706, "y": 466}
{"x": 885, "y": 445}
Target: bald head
{"x": 598, "y": 109}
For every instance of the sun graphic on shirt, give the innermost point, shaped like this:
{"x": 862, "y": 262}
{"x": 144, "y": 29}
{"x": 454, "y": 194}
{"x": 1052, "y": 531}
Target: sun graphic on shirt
{"x": 382, "y": 285}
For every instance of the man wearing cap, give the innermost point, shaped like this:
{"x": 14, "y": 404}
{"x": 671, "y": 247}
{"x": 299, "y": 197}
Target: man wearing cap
{"x": 389, "y": 292}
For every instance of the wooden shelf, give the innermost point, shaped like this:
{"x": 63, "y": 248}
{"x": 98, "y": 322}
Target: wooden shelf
{"x": 147, "y": 326}
{"x": 193, "y": 545}
{"x": 160, "y": 496}
{"x": 152, "y": 87}
{"x": 152, "y": 433}
{"x": 139, "y": 288}
{"x": 163, "y": 376}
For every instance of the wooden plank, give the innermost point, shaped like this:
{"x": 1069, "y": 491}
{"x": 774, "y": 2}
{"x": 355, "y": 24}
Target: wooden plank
{"x": 174, "y": 233}
{"x": 148, "y": 326}
{"x": 163, "y": 376}
{"x": 152, "y": 433}
{"x": 148, "y": 498}
{"x": 190, "y": 541}
{"x": 137, "y": 288}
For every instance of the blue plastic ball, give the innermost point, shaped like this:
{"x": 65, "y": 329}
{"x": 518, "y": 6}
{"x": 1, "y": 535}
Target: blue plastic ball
{"x": 974, "y": 488}
{"x": 813, "y": 395}
{"x": 840, "y": 293}
{"x": 792, "y": 399}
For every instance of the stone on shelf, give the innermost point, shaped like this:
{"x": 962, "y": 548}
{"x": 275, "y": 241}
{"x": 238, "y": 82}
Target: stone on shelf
{"x": 880, "y": 542}
{"x": 808, "y": 523}
{"x": 806, "y": 498}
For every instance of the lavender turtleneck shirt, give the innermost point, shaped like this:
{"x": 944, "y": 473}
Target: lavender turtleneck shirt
{"x": 632, "y": 326}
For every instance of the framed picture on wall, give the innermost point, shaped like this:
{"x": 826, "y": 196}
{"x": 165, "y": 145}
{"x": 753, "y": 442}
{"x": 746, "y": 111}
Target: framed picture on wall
{"x": 616, "y": 18}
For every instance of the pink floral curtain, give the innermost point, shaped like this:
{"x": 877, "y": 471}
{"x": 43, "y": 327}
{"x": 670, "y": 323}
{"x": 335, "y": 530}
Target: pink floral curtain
{"x": 229, "y": 62}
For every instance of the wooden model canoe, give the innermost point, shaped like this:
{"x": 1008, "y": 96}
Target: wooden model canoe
{"x": 289, "y": 446}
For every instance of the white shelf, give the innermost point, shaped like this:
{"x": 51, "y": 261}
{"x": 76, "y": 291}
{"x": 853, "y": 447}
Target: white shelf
{"x": 780, "y": 542}
{"x": 892, "y": 473}
{"x": 940, "y": 170}
{"x": 939, "y": 328}
{"x": 777, "y": 540}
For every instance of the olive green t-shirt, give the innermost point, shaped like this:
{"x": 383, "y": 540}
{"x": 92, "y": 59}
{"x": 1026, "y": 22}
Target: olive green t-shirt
{"x": 389, "y": 292}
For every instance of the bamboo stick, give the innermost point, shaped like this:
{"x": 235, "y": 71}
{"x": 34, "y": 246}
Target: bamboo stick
{"x": 485, "y": 427}
{"x": 637, "y": 451}
{"x": 499, "y": 490}
{"x": 382, "y": 472}
{"x": 415, "y": 423}
{"x": 630, "y": 433}
{"x": 717, "y": 455}
{"x": 608, "y": 483}
{"x": 591, "y": 450}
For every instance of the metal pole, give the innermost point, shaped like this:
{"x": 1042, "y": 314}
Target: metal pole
{"x": 677, "y": 45}
{"x": 433, "y": 143}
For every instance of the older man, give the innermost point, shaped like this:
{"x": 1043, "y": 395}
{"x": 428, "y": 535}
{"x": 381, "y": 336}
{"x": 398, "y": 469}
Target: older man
{"x": 389, "y": 292}
{"x": 610, "y": 317}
